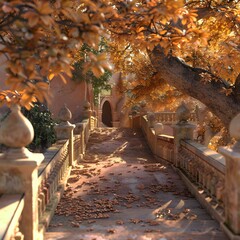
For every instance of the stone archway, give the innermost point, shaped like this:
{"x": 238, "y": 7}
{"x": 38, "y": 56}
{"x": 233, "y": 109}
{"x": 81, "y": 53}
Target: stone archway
{"x": 107, "y": 114}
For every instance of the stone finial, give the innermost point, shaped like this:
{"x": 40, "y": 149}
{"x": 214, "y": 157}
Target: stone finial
{"x": 234, "y": 130}
{"x": 143, "y": 104}
{"x": 64, "y": 114}
{"x": 182, "y": 113}
{"x": 86, "y": 105}
{"x": 64, "y": 129}
{"x": 86, "y": 110}
{"x": 151, "y": 119}
{"x": 16, "y": 131}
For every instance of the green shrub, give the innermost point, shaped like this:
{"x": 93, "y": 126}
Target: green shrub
{"x": 43, "y": 124}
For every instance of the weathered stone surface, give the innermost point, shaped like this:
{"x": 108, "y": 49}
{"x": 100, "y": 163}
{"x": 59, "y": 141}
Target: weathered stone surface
{"x": 120, "y": 192}
{"x": 16, "y": 131}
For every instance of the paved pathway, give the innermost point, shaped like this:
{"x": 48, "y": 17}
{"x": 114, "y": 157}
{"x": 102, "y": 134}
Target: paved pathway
{"x": 120, "y": 192}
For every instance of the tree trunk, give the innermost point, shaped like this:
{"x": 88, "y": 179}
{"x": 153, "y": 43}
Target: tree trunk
{"x": 188, "y": 80}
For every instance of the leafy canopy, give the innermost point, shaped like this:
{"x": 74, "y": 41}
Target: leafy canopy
{"x": 40, "y": 38}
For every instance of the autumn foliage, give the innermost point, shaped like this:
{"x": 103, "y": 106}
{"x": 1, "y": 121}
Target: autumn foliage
{"x": 39, "y": 40}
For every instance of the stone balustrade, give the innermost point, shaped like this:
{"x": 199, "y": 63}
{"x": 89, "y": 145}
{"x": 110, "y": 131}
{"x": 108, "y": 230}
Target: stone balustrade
{"x": 57, "y": 164}
{"x": 164, "y": 148}
{"x": 213, "y": 178}
{"x": 205, "y": 171}
{"x": 31, "y": 184}
{"x": 160, "y": 145}
{"x": 169, "y": 118}
{"x": 11, "y": 207}
{"x": 52, "y": 174}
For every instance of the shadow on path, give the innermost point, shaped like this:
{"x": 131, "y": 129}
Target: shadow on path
{"x": 119, "y": 191}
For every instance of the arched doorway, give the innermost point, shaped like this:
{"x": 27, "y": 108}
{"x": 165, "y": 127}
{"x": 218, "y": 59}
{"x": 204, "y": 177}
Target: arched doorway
{"x": 107, "y": 114}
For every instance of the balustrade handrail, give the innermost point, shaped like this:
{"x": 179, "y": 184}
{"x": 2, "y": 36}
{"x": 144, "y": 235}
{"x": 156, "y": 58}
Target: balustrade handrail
{"x": 44, "y": 182}
{"x": 171, "y": 118}
{"x": 202, "y": 169}
{"x": 11, "y": 207}
{"x": 55, "y": 168}
{"x": 209, "y": 156}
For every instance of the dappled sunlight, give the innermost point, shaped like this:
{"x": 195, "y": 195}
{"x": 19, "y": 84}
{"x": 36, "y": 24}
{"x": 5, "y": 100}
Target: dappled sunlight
{"x": 121, "y": 192}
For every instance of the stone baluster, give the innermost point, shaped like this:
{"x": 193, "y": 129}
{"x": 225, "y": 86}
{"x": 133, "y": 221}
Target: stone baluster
{"x": 232, "y": 182}
{"x": 182, "y": 130}
{"x": 64, "y": 130}
{"x": 79, "y": 130}
{"x": 19, "y": 168}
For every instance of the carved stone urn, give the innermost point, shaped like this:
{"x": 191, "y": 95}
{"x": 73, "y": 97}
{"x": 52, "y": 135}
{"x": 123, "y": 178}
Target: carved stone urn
{"x": 86, "y": 110}
{"x": 151, "y": 119}
{"x": 143, "y": 106}
{"x": 16, "y": 131}
{"x": 182, "y": 114}
{"x": 64, "y": 115}
{"x": 65, "y": 127}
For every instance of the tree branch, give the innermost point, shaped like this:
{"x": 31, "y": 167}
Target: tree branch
{"x": 189, "y": 81}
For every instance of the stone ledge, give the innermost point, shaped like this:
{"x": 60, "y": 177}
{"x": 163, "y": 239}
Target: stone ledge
{"x": 53, "y": 156}
{"x": 11, "y": 207}
{"x": 229, "y": 233}
{"x": 51, "y": 207}
{"x": 201, "y": 197}
{"x": 211, "y": 157}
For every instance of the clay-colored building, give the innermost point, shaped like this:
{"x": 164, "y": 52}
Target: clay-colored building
{"x": 110, "y": 111}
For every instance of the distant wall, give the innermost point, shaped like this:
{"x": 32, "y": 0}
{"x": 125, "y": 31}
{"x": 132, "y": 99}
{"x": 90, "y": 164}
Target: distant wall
{"x": 72, "y": 94}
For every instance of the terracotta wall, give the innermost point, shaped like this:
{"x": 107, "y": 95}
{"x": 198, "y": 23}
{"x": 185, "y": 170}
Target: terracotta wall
{"x": 72, "y": 94}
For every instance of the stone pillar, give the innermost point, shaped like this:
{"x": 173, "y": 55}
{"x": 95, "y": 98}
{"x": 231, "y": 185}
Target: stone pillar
{"x": 19, "y": 169}
{"x": 79, "y": 130}
{"x": 232, "y": 182}
{"x": 143, "y": 110}
{"x": 182, "y": 130}
{"x": 151, "y": 119}
{"x": 64, "y": 131}
{"x": 87, "y": 112}
{"x": 158, "y": 128}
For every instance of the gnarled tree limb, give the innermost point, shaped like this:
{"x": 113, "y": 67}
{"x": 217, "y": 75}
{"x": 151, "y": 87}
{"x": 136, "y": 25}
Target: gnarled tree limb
{"x": 189, "y": 81}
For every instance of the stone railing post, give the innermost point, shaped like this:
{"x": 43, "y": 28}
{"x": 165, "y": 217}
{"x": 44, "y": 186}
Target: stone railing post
{"x": 158, "y": 128}
{"x": 181, "y": 130}
{"x": 232, "y": 182}
{"x": 87, "y": 112}
{"x": 64, "y": 131}
{"x": 143, "y": 110}
{"x": 19, "y": 169}
{"x": 79, "y": 130}
{"x": 151, "y": 119}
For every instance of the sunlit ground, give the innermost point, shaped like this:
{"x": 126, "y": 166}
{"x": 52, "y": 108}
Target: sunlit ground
{"x": 120, "y": 192}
